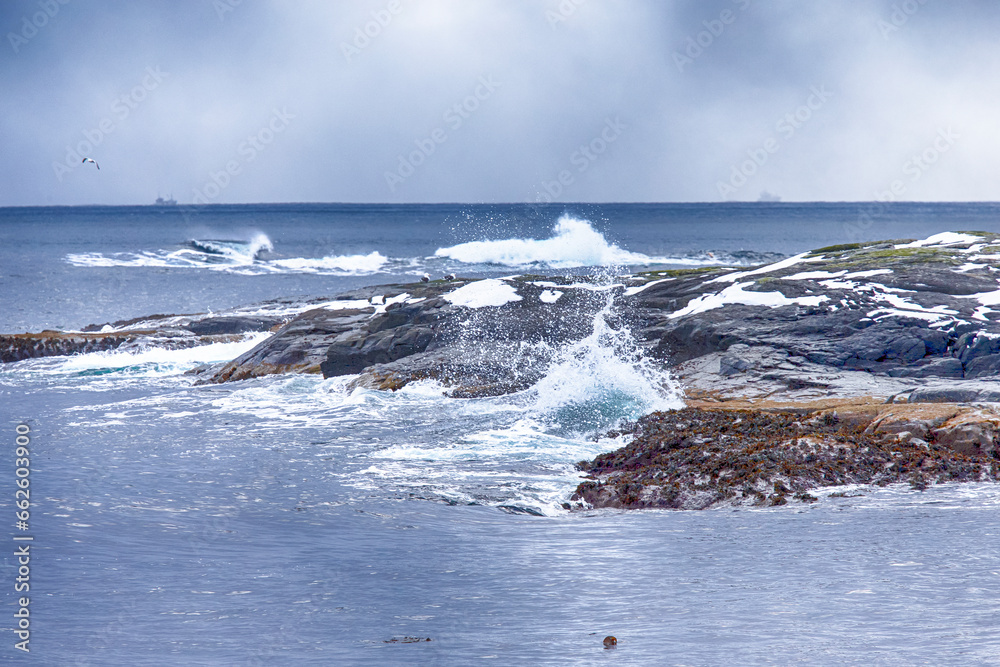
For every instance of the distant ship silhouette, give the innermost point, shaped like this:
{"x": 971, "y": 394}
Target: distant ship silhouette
{"x": 160, "y": 201}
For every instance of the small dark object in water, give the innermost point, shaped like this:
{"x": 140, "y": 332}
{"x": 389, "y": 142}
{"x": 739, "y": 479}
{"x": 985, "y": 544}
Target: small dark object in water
{"x": 610, "y": 641}
{"x": 405, "y": 640}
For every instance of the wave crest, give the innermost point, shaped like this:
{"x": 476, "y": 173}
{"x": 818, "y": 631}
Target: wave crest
{"x": 243, "y": 252}
{"x": 574, "y": 243}
{"x": 373, "y": 262}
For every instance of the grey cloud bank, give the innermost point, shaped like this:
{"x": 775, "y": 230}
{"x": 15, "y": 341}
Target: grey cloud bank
{"x": 164, "y": 95}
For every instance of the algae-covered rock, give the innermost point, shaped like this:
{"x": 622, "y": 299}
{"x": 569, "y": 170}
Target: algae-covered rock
{"x": 697, "y": 458}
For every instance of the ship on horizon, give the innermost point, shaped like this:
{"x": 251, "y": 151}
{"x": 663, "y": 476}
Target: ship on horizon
{"x": 160, "y": 201}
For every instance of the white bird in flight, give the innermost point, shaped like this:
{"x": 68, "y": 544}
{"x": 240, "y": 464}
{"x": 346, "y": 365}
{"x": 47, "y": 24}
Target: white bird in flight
{"x": 90, "y": 159}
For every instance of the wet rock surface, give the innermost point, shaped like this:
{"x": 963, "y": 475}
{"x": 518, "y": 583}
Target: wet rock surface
{"x": 698, "y": 458}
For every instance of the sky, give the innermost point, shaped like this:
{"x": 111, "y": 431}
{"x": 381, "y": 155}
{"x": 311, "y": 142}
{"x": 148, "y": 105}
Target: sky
{"x": 238, "y": 101}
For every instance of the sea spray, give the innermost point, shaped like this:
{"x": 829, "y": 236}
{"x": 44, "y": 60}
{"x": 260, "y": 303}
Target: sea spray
{"x": 574, "y": 243}
{"x": 594, "y": 383}
{"x": 574, "y": 362}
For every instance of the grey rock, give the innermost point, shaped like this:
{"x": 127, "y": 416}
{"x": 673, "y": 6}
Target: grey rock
{"x": 730, "y": 365}
{"x": 231, "y": 325}
{"x": 983, "y": 366}
{"x": 960, "y": 391}
{"x": 941, "y": 367}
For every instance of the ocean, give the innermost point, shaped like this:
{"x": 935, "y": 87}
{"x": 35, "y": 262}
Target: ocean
{"x": 292, "y": 520}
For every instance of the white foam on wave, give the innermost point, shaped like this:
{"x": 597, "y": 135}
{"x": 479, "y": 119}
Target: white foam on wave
{"x": 235, "y": 256}
{"x": 238, "y": 251}
{"x": 373, "y": 262}
{"x": 574, "y": 243}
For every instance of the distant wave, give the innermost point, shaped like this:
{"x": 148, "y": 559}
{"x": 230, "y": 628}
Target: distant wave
{"x": 240, "y": 251}
{"x": 373, "y": 262}
{"x": 574, "y": 243}
{"x": 235, "y": 256}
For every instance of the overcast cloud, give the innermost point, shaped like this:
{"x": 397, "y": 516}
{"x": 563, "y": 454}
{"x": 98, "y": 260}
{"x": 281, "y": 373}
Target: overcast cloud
{"x": 585, "y": 100}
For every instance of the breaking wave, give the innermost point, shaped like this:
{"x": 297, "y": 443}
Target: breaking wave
{"x": 573, "y": 243}
{"x": 243, "y": 252}
{"x": 250, "y": 257}
{"x": 517, "y": 452}
{"x": 373, "y": 262}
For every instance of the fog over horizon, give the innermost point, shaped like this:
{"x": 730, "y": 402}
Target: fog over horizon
{"x": 222, "y": 101}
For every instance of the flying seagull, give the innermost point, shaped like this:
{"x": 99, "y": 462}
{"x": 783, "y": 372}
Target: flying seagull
{"x": 90, "y": 159}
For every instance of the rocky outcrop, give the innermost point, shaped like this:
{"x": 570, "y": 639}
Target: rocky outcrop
{"x": 169, "y": 331}
{"x": 300, "y": 346}
{"x": 885, "y": 319}
{"x": 880, "y": 308}
{"x": 17, "y": 347}
{"x": 882, "y": 318}
{"x": 697, "y": 458}
{"x": 909, "y": 327}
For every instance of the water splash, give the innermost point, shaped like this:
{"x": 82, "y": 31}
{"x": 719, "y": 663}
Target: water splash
{"x": 598, "y": 381}
{"x": 574, "y": 243}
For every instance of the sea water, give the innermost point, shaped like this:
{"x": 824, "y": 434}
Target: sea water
{"x": 295, "y": 520}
